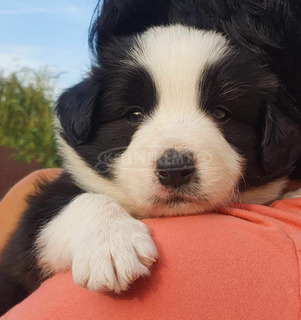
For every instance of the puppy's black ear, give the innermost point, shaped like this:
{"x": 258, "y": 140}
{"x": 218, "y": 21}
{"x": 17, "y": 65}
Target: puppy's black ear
{"x": 281, "y": 143}
{"x": 123, "y": 18}
{"x": 75, "y": 110}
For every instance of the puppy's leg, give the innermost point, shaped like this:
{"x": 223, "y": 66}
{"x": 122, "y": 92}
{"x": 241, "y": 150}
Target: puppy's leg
{"x": 11, "y": 292}
{"x": 292, "y": 194}
{"x": 106, "y": 248}
{"x": 19, "y": 271}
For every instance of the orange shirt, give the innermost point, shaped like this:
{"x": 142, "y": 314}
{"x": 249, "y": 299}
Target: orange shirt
{"x": 240, "y": 263}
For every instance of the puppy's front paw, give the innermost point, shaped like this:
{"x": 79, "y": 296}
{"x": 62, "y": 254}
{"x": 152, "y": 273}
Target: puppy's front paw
{"x": 111, "y": 256}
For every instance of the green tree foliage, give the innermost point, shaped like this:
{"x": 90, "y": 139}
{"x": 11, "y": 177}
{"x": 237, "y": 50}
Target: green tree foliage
{"x": 26, "y": 107}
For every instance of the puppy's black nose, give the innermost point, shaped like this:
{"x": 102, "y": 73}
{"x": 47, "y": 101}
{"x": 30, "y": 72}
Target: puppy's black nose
{"x": 175, "y": 168}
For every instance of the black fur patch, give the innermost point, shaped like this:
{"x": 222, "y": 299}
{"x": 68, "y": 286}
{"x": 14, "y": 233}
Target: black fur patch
{"x": 265, "y": 137}
{"x": 93, "y": 113}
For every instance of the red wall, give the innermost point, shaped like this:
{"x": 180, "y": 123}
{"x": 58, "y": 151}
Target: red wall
{"x": 12, "y": 171}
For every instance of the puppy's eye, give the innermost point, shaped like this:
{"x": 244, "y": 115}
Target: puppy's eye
{"x": 135, "y": 116}
{"x": 220, "y": 114}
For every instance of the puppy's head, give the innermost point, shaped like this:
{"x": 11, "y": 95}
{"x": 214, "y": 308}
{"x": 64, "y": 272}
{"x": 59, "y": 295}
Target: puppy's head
{"x": 175, "y": 121}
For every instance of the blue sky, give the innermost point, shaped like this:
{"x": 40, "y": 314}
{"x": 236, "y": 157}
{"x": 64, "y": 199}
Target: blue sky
{"x": 35, "y": 33}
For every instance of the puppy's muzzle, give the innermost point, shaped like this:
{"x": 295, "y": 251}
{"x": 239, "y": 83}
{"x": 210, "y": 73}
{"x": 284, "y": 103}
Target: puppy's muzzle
{"x": 174, "y": 168}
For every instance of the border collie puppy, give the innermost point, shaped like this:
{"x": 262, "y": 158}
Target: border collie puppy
{"x": 190, "y": 105}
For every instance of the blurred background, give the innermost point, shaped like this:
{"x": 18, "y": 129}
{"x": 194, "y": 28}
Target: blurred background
{"x": 43, "y": 50}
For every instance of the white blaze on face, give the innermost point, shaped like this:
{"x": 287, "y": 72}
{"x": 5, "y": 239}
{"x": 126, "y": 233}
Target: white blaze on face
{"x": 175, "y": 57}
